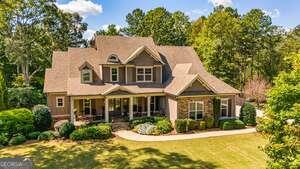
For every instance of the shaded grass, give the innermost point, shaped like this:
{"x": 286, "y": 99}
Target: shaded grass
{"x": 239, "y": 151}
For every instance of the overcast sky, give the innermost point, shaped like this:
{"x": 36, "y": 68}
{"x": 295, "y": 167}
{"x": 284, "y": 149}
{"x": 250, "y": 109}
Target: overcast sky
{"x": 99, "y": 13}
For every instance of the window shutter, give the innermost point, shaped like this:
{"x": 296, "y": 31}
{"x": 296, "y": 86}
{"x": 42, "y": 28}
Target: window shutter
{"x": 229, "y": 107}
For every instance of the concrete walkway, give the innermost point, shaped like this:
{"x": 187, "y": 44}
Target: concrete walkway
{"x": 130, "y": 135}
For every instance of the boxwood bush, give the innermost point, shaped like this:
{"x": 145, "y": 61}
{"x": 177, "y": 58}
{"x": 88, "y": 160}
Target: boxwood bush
{"x": 19, "y": 139}
{"x": 164, "y": 126}
{"x": 66, "y": 129}
{"x": 229, "y": 124}
{"x": 100, "y": 131}
{"x": 181, "y": 125}
{"x": 192, "y": 124}
{"x": 202, "y": 125}
{"x": 16, "y": 121}
{"x": 33, "y": 135}
{"x": 185, "y": 125}
{"x": 42, "y": 117}
{"x": 46, "y": 135}
{"x": 248, "y": 114}
{"x": 209, "y": 122}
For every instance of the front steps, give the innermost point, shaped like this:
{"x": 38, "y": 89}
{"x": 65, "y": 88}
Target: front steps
{"x": 116, "y": 126}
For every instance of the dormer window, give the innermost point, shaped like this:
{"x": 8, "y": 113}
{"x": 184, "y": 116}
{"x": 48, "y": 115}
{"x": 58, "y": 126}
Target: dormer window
{"x": 113, "y": 58}
{"x": 86, "y": 75}
{"x": 144, "y": 74}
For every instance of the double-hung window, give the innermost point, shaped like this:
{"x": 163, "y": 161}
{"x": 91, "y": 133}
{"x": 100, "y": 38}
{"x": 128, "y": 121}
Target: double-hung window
{"x": 86, "y": 76}
{"x": 59, "y": 101}
{"x": 196, "y": 110}
{"x": 224, "y": 107}
{"x": 144, "y": 74}
{"x": 114, "y": 74}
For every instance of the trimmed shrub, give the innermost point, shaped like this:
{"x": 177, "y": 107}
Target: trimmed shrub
{"x": 33, "y": 135}
{"x": 66, "y": 129}
{"x": 158, "y": 118}
{"x": 209, "y": 122}
{"x": 16, "y": 121}
{"x": 3, "y": 139}
{"x": 222, "y": 121}
{"x": 191, "y": 124}
{"x": 101, "y": 131}
{"x": 238, "y": 124}
{"x": 46, "y": 135}
{"x": 248, "y": 114}
{"x": 42, "y": 117}
{"x": 202, "y": 125}
{"x": 19, "y": 139}
{"x": 164, "y": 126}
{"x": 79, "y": 134}
{"x": 229, "y": 124}
{"x": 181, "y": 125}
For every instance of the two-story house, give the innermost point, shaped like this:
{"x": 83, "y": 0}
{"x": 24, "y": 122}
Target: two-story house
{"x": 127, "y": 77}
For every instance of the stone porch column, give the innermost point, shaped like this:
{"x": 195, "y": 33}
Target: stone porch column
{"x": 106, "y": 114}
{"x": 148, "y": 105}
{"x": 73, "y": 119}
{"x": 130, "y": 108}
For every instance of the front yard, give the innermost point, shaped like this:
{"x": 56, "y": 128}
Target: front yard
{"x": 238, "y": 151}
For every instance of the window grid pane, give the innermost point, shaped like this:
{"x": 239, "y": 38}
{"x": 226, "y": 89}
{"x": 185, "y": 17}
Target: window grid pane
{"x": 144, "y": 74}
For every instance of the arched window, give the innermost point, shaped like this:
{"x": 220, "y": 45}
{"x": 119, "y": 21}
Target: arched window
{"x": 86, "y": 75}
{"x": 113, "y": 58}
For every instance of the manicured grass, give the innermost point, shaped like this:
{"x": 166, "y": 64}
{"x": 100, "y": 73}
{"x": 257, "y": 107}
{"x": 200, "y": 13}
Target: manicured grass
{"x": 239, "y": 151}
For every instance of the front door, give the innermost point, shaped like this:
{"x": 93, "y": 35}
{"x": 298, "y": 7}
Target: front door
{"x": 118, "y": 108}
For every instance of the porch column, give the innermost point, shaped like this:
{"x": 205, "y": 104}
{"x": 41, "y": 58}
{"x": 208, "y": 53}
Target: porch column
{"x": 72, "y": 110}
{"x": 106, "y": 115}
{"x": 130, "y": 108}
{"x": 148, "y": 105}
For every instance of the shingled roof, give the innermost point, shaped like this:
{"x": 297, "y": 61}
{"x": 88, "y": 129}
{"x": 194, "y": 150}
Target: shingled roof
{"x": 182, "y": 63}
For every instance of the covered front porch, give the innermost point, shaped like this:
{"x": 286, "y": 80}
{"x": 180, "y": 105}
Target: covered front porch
{"x": 115, "y": 108}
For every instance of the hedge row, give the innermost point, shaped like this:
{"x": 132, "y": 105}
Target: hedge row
{"x": 101, "y": 131}
{"x": 185, "y": 125}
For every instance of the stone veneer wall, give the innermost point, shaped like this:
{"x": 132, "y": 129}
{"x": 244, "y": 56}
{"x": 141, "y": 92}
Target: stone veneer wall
{"x": 183, "y": 106}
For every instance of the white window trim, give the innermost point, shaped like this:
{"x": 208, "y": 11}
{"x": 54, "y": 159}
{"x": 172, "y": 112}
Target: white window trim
{"x": 144, "y": 74}
{"x": 117, "y": 68}
{"x": 63, "y": 101}
{"x": 227, "y": 106}
{"x": 90, "y": 105}
{"x": 196, "y": 102}
{"x": 91, "y": 75}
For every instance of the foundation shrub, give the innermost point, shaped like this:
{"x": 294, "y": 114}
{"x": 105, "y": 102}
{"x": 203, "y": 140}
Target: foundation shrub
{"x": 164, "y": 126}
{"x": 19, "y": 139}
{"x": 202, "y": 125}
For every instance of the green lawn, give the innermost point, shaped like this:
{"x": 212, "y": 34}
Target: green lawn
{"x": 239, "y": 151}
